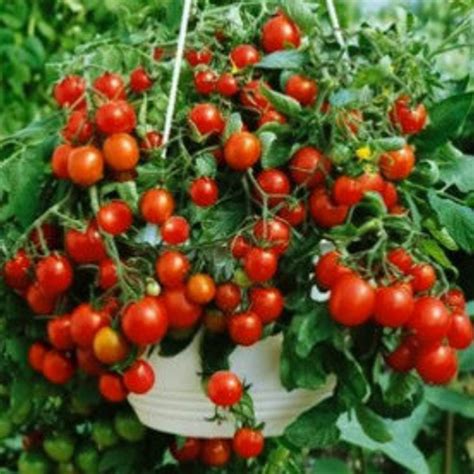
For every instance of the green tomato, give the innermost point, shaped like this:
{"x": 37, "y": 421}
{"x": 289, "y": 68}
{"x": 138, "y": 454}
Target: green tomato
{"x": 33, "y": 463}
{"x": 79, "y": 407}
{"x": 104, "y": 434}
{"x": 128, "y": 426}
{"x": 340, "y": 154}
{"x": 59, "y": 447}
{"x": 241, "y": 279}
{"x": 6, "y": 425}
{"x": 20, "y": 413}
{"x": 87, "y": 459}
{"x": 66, "y": 468}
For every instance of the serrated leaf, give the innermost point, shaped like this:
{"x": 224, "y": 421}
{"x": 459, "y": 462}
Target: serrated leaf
{"x": 281, "y": 102}
{"x": 458, "y": 220}
{"x": 450, "y": 400}
{"x": 290, "y": 59}
{"x": 372, "y": 424}
{"x": 300, "y": 12}
{"x": 233, "y": 125}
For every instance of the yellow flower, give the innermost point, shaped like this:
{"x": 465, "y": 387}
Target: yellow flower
{"x": 364, "y": 153}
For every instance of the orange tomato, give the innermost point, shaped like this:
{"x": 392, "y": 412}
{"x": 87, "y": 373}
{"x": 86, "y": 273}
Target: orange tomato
{"x": 110, "y": 346}
{"x": 200, "y": 288}
{"x": 85, "y": 165}
{"x": 121, "y": 152}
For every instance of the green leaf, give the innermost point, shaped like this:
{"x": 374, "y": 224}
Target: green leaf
{"x": 458, "y": 220}
{"x": 374, "y": 74}
{"x": 372, "y": 424}
{"x": 283, "y": 103}
{"x": 466, "y": 359}
{"x": 350, "y": 97}
{"x": 206, "y": 165}
{"x": 389, "y": 143}
{"x": 289, "y": 59}
{"x": 315, "y": 428}
{"x": 450, "y": 400}
{"x": 275, "y": 152}
{"x": 123, "y": 457}
{"x": 300, "y": 12}
{"x": 233, "y": 125}
{"x": 330, "y": 466}
{"x": 434, "y": 250}
{"x": 446, "y": 119}
{"x": 459, "y": 172}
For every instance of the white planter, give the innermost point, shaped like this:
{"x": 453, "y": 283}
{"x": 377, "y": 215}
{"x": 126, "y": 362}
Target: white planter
{"x": 177, "y": 403}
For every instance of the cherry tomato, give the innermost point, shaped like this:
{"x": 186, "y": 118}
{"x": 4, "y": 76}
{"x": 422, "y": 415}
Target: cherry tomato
{"x": 461, "y": 332}
{"x": 85, "y": 247}
{"x": 274, "y": 184}
{"x": 171, "y": 268}
{"x": 394, "y": 305}
{"x": 205, "y": 82}
{"x": 57, "y": 368}
{"x": 390, "y": 195}
{"x": 252, "y": 97}
{"x": 116, "y": 116}
{"x": 78, "y": 128}
{"x": 239, "y": 246}
{"x": 204, "y": 192}
{"x": 145, "y": 321}
{"x": 347, "y": 191}
{"x": 110, "y": 347}
{"x": 403, "y": 358}
{"x": 310, "y": 167}
{"x": 400, "y": 258}
{"x": 271, "y": 116}
{"x": 85, "y": 165}
{"x": 112, "y": 388}
{"x": 85, "y": 323}
{"x": 110, "y": 86}
{"x": 248, "y": 443}
{"x": 194, "y": 58}
{"x": 329, "y": 269}
{"x": 157, "y": 205}
{"x": 431, "y": 320}
{"x": 352, "y": 300}
{"x": 224, "y": 388}
{"x": 293, "y": 212}
{"x": 215, "y": 322}
{"x": 38, "y": 301}
{"x": 437, "y": 364}
{"x": 324, "y": 211}
{"x": 140, "y": 81}
{"x": 242, "y": 150}
{"x": 121, "y": 152}
{"x": 455, "y": 299}
{"x": 188, "y": 452}
{"x": 302, "y": 89}
{"x": 36, "y": 355}
{"x": 350, "y": 120}
{"x": 115, "y": 218}
{"x": 260, "y": 265}
{"x": 59, "y": 333}
{"x": 201, "y": 288}
{"x": 397, "y": 165}
{"x": 423, "y": 277}
{"x": 228, "y": 297}
{"x": 215, "y": 452}
{"x": 17, "y": 271}
{"x": 182, "y": 312}
{"x": 54, "y": 274}
{"x": 69, "y": 92}
{"x": 409, "y": 120}
{"x": 207, "y": 119}
{"x": 59, "y": 446}
{"x": 279, "y": 33}
{"x": 245, "y": 329}
{"x": 267, "y": 303}
{"x": 107, "y": 274}
{"x": 152, "y": 141}
{"x": 244, "y": 55}
{"x": 371, "y": 182}
{"x": 87, "y": 362}
{"x": 59, "y": 161}
{"x": 227, "y": 85}
{"x": 139, "y": 378}
{"x": 175, "y": 230}
{"x": 274, "y": 233}
{"x": 49, "y": 233}
{"x": 33, "y": 463}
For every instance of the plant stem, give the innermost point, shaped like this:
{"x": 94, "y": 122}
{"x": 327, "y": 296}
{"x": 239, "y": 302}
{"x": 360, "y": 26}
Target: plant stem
{"x": 448, "y": 455}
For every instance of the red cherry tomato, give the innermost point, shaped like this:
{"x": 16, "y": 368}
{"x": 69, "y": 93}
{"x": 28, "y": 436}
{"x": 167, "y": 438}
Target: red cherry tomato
{"x": 116, "y": 116}
{"x": 329, "y": 269}
{"x": 85, "y": 323}
{"x": 107, "y": 274}
{"x": 347, "y": 191}
{"x": 109, "y": 86}
{"x": 352, "y": 301}
{"x": 242, "y": 150}
{"x": 201, "y": 288}
{"x": 239, "y": 246}
{"x": 54, "y": 274}
{"x": 437, "y": 364}
{"x": 85, "y": 165}
{"x": 245, "y": 329}
{"x": 215, "y": 452}
{"x": 248, "y": 443}
{"x": 121, "y": 152}
{"x": 115, "y": 218}
{"x": 205, "y": 82}
{"x": 172, "y": 268}
{"x": 394, "y": 305}
{"x": 182, "y": 312}
{"x": 279, "y": 33}
{"x": 38, "y": 301}
{"x": 260, "y": 265}
{"x": 140, "y": 81}
{"x": 423, "y": 277}
{"x": 455, "y": 299}
{"x": 204, "y": 192}
{"x": 371, "y": 182}
{"x": 461, "y": 332}
{"x": 112, "y": 388}
{"x": 271, "y": 116}
{"x": 59, "y": 333}
{"x": 188, "y": 452}
{"x": 194, "y": 58}
{"x": 146, "y": 321}
{"x": 139, "y": 378}
{"x": 175, "y": 230}
{"x": 431, "y": 320}
{"x": 267, "y": 303}
{"x": 397, "y": 165}
{"x": 49, "y": 233}
{"x": 152, "y": 141}
{"x": 78, "y": 128}
{"x": 390, "y": 195}
{"x": 252, "y": 97}
{"x": 87, "y": 362}
{"x": 273, "y": 233}
{"x": 310, "y": 167}
{"x": 57, "y": 368}
{"x": 302, "y": 89}
{"x": 69, "y": 92}
{"x": 409, "y": 120}
{"x": 36, "y": 355}
{"x": 17, "y": 271}
{"x": 244, "y": 55}
{"x": 403, "y": 358}
{"x": 59, "y": 161}
{"x": 85, "y": 247}
{"x": 207, "y": 119}
{"x": 228, "y": 297}
{"x": 401, "y": 259}
{"x": 324, "y": 211}
{"x": 224, "y": 388}
{"x": 293, "y": 212}
{"x": 275, "y": 186}
{"x": 157, "y": 205}
{"x": 227, "y": 85}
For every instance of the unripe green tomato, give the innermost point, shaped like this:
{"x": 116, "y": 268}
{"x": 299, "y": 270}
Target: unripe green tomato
{"x": 153, "y": 288}
{"x": 21, "y": 412}
{"x": 59, "y": 447}
{"x": 104, "y": 434}
{"x": 128, "y": 426}
{"x": 340, "y": 154}
{"x": 6, "y": 426}
{"x": 79, "y": 407}
{"x": 426, "y": 172}
{"x": 33, "y": 463}
{"x": 87, "y": 459}
{"x": 241, "y": 279}
{"x": 66, "y": 468}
